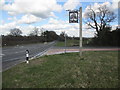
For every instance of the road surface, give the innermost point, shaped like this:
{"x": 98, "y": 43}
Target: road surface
{"x": 16, "y": 54}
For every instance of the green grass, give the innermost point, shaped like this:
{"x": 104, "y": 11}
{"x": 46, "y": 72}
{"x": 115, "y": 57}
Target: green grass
{"x": 94, "y": 70}
{"x": 68, "y": 43}
{"x": 71, "y": 43}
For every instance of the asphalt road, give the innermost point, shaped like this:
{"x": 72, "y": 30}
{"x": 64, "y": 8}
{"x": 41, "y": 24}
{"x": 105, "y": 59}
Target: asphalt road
{"x": 16, "y": 54}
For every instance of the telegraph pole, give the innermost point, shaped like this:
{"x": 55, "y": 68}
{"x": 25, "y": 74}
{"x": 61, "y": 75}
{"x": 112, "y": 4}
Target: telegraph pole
{"x": 65, "y": 41}
{"x": 80, "y": 31}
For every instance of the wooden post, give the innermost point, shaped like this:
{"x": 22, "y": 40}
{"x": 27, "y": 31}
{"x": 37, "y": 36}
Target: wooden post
{"x": 80, "y": 31}
{"x": 65, "y": 42}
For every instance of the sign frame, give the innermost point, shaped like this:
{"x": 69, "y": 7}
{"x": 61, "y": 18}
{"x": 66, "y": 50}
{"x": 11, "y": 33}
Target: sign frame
{"x": 73, "y": 17}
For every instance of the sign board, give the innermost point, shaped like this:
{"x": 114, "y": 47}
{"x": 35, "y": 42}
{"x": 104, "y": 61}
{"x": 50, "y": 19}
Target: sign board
{"x": 73, "y": 17}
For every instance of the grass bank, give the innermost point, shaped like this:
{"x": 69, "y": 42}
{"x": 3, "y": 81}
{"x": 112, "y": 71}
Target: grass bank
{"x": 94, "y": 70}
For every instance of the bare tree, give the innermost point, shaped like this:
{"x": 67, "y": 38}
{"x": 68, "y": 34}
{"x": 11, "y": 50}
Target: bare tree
{"x": 42, "y": 30}
{"x": 99, "y": 19}
{"x": 62, "y": 34}
{"x": 35, "y": 32}
{"x": 15, "y": 32}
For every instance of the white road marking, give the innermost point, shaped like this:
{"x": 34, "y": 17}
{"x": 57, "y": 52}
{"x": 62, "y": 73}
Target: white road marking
{"x": 2, "y": 54}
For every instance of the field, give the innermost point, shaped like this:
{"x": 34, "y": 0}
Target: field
{"x": 95, "y": 69}
{"x": 71, "y": 42}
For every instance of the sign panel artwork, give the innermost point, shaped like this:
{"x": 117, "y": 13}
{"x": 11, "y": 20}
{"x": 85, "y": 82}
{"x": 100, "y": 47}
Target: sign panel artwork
{"x": 73, "y": 17}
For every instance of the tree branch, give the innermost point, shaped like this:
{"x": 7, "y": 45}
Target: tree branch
{"x": 90, "y": 25}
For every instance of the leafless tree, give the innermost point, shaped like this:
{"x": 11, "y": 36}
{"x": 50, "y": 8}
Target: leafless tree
{"x": 15, "y": 32}
{"x": 35, "y": 32}
{"x": 99, "y": 19}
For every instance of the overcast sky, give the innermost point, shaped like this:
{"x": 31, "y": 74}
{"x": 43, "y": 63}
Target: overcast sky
{"x": 48, "y": 14}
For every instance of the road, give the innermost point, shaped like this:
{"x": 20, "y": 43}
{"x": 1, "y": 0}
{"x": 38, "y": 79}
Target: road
{"x": 16, "y": 54}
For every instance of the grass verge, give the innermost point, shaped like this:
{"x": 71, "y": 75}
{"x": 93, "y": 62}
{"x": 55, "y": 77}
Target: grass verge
{"x": 94, "y": 70}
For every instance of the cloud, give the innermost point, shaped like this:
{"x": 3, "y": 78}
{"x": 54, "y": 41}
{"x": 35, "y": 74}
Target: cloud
{"x": 2, "y": 2}
{"x": 56, "y": 24}
{"x": 4, "y": 29}
{"x": 26, "y": 29}
{"x": 71, "y": 4}
{"x": 28, "y": 19}
{"x": 39, "y": 8}
{"x": 71, "y": 29}
{"x": 88, "y": 33}
{"x": 25, "y": 19}
{"x": 53, "y": 25}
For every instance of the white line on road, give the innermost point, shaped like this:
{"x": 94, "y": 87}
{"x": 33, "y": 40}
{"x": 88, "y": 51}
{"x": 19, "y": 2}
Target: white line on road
{"x": 2, "y": 55}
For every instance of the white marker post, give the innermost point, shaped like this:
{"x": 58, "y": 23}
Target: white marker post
{"x": 27, "y": 56}
{"x": 80, "y": 32}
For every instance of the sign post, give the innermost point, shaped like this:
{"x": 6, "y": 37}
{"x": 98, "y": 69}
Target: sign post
{"x": 73, "y": 18}
{"x": 65, "y": 41}
{"x": 80, "y": 31}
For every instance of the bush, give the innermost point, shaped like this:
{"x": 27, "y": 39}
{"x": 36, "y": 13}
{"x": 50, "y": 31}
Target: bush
{"x": 107, "y": 38}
